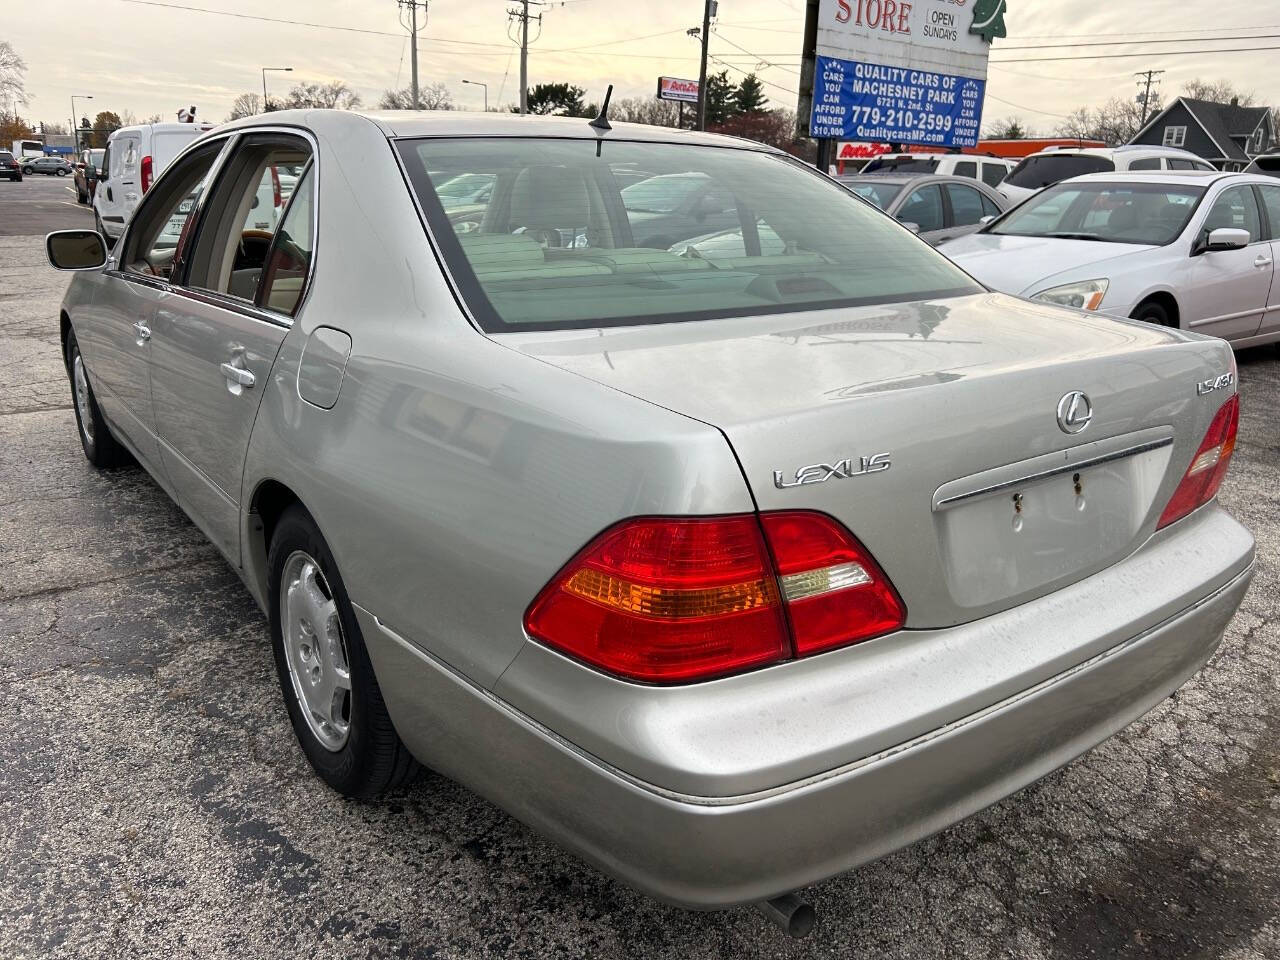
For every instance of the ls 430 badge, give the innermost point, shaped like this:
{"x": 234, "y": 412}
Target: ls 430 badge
{"x": 1216, "y": 383}
{"x": 844, "y": 470}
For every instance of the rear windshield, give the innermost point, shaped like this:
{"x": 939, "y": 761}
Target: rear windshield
{"x": 879, "y": 193}
{"x": 577, "y": 234}
{"x": 1147, "y": 213}
{"x": 1035, "y": 173}
{"x": 5, "y": 155}
{"x": 902, "y": 165}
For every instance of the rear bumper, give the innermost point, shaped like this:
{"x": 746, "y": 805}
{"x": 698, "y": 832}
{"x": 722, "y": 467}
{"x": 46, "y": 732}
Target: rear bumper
{"x": 713, "y": 851}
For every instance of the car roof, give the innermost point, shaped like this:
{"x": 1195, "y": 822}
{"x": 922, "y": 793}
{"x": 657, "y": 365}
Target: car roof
{"x": 1111, "y": 153}
{"x": 1180, "y": 177}
{"x": 458, "y": 123}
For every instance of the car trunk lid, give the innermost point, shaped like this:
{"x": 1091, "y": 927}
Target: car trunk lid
{"x": 931, "y": 430}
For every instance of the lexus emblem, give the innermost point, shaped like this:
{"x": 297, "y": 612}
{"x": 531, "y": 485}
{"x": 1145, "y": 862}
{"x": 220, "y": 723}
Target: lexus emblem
{"x": 1075, "y": 412}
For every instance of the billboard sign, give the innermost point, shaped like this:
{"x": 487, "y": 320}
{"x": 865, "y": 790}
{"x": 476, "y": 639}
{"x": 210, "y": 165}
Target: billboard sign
{"x": 902, "y": 71}
{"x": 673, "y": 88}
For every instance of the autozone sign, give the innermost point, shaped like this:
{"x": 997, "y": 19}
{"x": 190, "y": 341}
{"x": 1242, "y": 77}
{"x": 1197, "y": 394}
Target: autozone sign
{"x": 673, "y": 88}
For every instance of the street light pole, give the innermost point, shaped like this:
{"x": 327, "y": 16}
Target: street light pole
{"x": 266, "y": 104}
{"x": 75, "y": 128}
{"x": 477, "y": 83}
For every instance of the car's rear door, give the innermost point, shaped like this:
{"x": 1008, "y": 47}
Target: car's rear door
{"x": 217, "y": 336}
{"x": 964, "y": 210}
{"x": 1270, "y": 197}
{"x": 1224, "y": 292}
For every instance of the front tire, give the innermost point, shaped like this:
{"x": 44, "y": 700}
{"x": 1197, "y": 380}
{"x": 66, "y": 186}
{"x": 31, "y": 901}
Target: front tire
{"x": 326, "y": 677}
{"x": 1154, "y": 312}
{"x": 61, "y": 173}
{"x": 100, "y": 448}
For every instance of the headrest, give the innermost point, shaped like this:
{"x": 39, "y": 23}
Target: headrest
{"x": 550, "y": 198}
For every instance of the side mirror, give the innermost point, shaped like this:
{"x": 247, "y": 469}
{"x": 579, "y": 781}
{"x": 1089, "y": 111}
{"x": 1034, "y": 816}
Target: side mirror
{"x": 1227, "y": 238}
{"x": 75, "y": 249}
{"x": 913, "y": 227}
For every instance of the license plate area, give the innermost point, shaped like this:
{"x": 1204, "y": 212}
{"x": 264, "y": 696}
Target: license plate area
{"x": 1022, "y": 527}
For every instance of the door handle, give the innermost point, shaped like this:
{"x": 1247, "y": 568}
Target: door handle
{"x": 143, "y": 332}
{"x": 238, "y": 376}
{"x": 1263, "y": 262}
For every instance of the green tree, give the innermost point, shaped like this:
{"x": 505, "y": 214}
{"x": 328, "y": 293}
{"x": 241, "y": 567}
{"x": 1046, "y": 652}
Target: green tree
{"x": 84, "y": 134}
{"x": 1011, "y": 129}
{"x": 749, "y": 97}
{"x": 556, "y": 99}
{"x": 988, "y": 19}
{"x": 104, "y": 124}
{"x": 722, "y": 100}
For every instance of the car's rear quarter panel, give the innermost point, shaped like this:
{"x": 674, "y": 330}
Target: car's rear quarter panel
{"x": 454, "y": 476}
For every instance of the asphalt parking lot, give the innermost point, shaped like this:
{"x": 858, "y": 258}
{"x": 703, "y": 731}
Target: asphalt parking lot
{"x": 39, "y": 204}
{"x": 153, "y": 802}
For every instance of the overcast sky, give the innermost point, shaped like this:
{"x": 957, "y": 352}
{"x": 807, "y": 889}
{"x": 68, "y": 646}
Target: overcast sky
{"x": 150, "y": 59}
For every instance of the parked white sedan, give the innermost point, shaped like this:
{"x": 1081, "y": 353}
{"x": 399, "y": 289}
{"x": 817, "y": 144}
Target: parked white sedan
{"x": 1190, "y": 250}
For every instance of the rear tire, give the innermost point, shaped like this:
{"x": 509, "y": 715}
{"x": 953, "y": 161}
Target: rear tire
{"x": 1153, "y": 312}
{"x": 100, "y": 448}
{"x": 326, "y": 677}
{"x": 61, "y": 173}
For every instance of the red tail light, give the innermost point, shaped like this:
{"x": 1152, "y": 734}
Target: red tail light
{"x": 276, "y": 200}
{"x": 146, "y": 174}
{"x": 835, "y": 593}
{"x": 1208, "y": 467}
{"x": 671, "y": 600}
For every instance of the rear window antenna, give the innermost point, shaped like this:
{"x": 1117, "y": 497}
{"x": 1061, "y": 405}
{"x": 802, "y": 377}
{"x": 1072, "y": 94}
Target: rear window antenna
{"x": 601, "y": 122}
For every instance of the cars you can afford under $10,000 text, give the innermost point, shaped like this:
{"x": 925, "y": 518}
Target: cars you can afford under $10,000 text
{"x": 727, "y": 575}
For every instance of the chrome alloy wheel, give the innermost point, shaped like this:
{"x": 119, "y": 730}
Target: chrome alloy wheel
{"x": 315, "y": 650}
{"x": 83, "y": 405}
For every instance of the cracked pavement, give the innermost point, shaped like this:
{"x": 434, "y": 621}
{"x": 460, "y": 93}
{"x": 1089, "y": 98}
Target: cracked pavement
{"x": 153, "y": 802}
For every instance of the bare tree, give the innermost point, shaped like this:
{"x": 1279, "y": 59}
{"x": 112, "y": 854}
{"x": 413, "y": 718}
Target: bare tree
{"x": 154, "y": 118}
{"x": 1116, "y": 122}
{"x": 326, "y": 96}
{"x": 53, "y": 129}
{"x": 13, "y": 89}
{"x": 245, "y": 105}
{"x": 433, "y": 96}
{"x": 650, "y": 110}
{"x": 1224, "y": 91}
{"x": 1009, "y": 129}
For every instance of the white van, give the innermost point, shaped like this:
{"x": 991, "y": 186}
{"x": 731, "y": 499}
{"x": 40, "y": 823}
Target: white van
{"x": 135, "y": 156}
{"x": 990, "y": 170}
{"x": 1056, "y": 164}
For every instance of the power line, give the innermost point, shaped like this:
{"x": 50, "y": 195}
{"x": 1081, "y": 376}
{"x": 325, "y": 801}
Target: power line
{"x": 1130, "y": 43}
{"x": 1129, "y": 56}
{"x": 762, "y": 60}
{"x": 1018, "y": 106}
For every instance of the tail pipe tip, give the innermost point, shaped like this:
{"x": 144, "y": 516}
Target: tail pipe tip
{"x": 790, "y": 914}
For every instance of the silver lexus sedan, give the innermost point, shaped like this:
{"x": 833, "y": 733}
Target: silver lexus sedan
{"x": 729, "y": 575}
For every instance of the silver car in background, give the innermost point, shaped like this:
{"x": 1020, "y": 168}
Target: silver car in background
{"x": 1192, "y": 250}
{"x": 728, "y": 575}
{"x": 938, "y": 208}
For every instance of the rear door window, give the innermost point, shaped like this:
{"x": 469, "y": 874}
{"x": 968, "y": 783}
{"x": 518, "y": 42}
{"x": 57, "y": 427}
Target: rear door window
{"x": 1035, "y": 173}
{"x": 289, "y": 263}
{"x": 1271, "y": 201}
{"x": 966, "y": 205}
{"x": 1147, "y": 163}
{"x": 993, "y": 174}
{"x": 967, "y": 168}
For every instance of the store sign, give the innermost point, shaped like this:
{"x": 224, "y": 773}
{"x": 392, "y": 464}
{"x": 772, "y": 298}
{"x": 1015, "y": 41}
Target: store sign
{"x": 673, "y": 88}
{"x": 903, "y": 71}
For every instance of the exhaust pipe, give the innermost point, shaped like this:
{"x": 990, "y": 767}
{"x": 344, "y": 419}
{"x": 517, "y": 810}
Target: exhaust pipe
{"x": 790, "y": 914}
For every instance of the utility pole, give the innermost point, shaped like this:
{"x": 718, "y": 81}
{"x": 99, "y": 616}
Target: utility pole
{"x": 708, "y": 11}
{"x": 523, "y": 16}
{"x": 1145, "y": 97}
{"x": 413, "y": 6}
